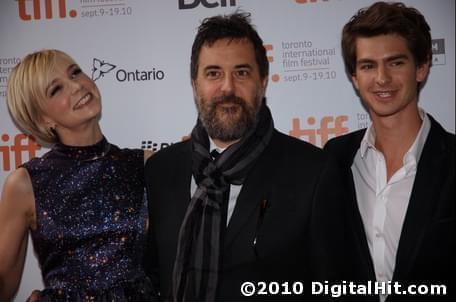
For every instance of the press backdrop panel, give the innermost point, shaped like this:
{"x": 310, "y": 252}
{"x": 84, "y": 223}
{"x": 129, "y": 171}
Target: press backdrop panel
{"x": 139, "y": 53}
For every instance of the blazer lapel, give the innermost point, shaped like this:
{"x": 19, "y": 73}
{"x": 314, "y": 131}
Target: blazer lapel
{"x": 354, "y": 216}
{"x": 358, "y": 227}
{"x": 421, "y": 205}
{"x": 183, "y": 180}
{"x": 252, "y": 193}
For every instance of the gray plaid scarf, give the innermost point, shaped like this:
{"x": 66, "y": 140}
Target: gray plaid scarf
{"x": 197, "y": 262}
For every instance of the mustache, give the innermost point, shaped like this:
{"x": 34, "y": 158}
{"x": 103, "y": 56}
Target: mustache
{"x": 227, "y": 99}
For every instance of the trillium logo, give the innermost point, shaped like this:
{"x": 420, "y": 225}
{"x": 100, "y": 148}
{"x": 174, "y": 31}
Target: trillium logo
{"x": 99, "y": 68}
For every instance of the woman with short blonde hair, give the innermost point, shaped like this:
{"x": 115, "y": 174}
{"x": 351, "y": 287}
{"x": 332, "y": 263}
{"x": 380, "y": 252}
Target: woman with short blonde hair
{"x": 82, "y": 202}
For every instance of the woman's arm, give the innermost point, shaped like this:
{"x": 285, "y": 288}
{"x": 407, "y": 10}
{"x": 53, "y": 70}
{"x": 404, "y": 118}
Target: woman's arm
{"x": 147, "y": 154}
{"x": 17, "y": 215}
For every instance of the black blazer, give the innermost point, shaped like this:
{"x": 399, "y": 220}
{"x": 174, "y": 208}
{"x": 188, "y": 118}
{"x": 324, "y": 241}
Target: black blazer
{"x": 426, "y": 253}
{"x": 301, "y": 236}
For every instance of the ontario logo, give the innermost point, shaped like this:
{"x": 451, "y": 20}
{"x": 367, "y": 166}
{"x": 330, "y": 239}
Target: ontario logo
{"x": 101, "y": 67}
{"x": 33, "y": 9}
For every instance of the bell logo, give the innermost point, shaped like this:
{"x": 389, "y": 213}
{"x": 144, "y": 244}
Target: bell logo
{"x": 30, "y": 146}
{"x": 27, "y": 7}
{"x": 189, "y": 4}
{"x": 323, "y": 132}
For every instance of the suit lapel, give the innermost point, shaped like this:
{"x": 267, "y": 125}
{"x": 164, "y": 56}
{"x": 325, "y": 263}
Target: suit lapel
{"x": 184, "y": 164}
{"x": 252, "y": 193}
{"x": 422, "y": 201}
{"x": 358, "y": 227}
{"x": 354, "y": 216}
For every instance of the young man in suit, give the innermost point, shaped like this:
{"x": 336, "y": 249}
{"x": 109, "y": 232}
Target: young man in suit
{"x": 267, "y": 208}
{"x": 401, "y": 168}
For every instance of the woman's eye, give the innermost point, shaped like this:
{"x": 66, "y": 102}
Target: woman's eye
{"x": 55, "y": 90}
{"x": 75, "y": 72}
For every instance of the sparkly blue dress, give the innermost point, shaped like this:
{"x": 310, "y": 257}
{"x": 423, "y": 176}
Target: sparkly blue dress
{"x": 91, "y": 223}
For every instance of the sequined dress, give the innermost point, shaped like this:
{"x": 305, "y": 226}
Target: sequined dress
{"x": 91, "y": 223}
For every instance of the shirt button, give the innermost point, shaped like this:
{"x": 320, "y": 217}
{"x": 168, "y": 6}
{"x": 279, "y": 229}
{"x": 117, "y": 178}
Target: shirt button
{"x": 378, "y": 234}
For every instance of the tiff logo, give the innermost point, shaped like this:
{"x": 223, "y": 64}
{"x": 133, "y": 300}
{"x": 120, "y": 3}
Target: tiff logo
{"x": 269, "y": 48}
{"x": 26, "y": 7}
{"x": 328, "y": 126}
{"x": 22, "y": 144}
{"x": 189, "y": 4}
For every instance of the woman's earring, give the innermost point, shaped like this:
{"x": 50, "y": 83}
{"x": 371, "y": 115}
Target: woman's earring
{"x": 52, "y": 129}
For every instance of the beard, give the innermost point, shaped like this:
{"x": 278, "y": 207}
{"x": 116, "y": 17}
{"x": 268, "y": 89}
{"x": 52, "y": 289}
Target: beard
{"x": 227, "y": 118}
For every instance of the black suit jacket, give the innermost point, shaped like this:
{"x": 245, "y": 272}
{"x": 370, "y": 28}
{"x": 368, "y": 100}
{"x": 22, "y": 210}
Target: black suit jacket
{"x": 301, "y": 236}
{"x": 426, "y": 253}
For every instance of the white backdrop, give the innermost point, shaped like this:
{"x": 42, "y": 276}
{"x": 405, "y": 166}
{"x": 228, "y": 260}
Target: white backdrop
{"x": 139, "y": 53}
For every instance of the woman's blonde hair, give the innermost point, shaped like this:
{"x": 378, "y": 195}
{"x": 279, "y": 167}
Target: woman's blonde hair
{"x": 26, "y": 92}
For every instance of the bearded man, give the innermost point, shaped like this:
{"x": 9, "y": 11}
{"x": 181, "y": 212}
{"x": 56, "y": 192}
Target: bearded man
{"x": 240, "y": 201}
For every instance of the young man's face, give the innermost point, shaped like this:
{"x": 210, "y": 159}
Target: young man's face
{"x": 386, "y": 76}
{"x": 228, "y": 88}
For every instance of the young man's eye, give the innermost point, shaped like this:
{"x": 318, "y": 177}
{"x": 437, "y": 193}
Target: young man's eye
{"x": 397, "y": 63}
{"x": 366, "y": 66}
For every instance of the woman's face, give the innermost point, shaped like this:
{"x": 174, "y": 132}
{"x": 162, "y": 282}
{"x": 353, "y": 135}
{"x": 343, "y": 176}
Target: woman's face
{"x": 72, "y": 100}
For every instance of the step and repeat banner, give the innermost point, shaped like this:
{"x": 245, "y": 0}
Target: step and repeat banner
{"x": 138, "y": 52}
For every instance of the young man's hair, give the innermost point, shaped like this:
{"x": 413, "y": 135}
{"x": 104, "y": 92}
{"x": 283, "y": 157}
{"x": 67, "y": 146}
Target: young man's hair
{"x": 236, "y": 26}
{"x": 383, "y": 18}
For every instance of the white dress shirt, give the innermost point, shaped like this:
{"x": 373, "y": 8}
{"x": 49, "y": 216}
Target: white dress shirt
{"x": 383, "y": 204}
{"x": 234, "y": 189}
